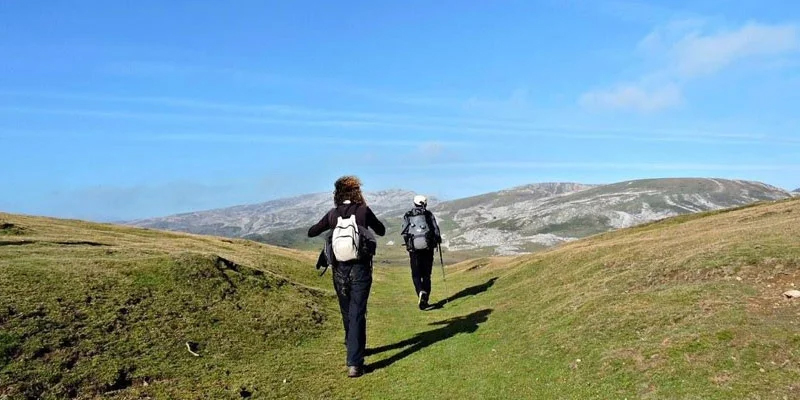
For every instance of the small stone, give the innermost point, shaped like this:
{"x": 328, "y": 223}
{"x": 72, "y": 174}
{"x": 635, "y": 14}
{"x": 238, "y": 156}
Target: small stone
{"x": 284, "y": 380}
{"x": 792, "y": 294}
{"x": 762, "y": 370}
{"x": 578, "y": 360}
{"x": 739, "y": 278}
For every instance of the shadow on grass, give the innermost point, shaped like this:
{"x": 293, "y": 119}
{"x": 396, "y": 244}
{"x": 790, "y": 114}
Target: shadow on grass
{"x": 470, "y": 291}
{"x": 450, "y": 327}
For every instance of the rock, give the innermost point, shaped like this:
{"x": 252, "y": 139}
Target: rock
{"x": 792, "y": 294}
{"x": 390, "y": 243}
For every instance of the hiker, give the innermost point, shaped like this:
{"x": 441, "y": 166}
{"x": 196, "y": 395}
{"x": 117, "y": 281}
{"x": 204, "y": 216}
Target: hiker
{"x": 421, "y": 236}
{"x": 353, "y": 246}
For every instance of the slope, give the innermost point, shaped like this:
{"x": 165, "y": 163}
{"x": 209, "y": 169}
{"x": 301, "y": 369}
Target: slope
{"x": 98, "y": 310}
{"x": 687, "y": 307}
{"x": 532, "y": 222}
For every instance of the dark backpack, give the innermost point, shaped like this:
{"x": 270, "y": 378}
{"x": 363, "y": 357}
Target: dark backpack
{"x": 418, "y": 234}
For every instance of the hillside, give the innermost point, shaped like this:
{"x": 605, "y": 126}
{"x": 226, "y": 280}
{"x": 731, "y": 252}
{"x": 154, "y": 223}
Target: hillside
{"x": 273, "y": 216}
{"x": 796, "y": 192}
{"x": 513, "y": 221}
{"x": 89, "y": 310}
{"x": 688, "y": 307}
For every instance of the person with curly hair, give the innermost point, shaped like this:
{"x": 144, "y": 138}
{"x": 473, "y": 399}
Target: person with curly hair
{"x": 352, "y": 279}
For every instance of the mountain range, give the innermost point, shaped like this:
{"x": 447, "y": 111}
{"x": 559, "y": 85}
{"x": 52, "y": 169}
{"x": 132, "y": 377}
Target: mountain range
{"x": 512, "y": 221}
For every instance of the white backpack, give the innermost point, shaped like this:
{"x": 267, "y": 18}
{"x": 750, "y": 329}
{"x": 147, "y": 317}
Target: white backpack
{"x": 345, "y": 239}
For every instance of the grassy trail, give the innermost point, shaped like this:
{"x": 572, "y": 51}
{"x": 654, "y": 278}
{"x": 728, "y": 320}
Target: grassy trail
{"x": 411, "y": 353}
{"x": 686, "y": 308}
{"x": 682, "y": 309}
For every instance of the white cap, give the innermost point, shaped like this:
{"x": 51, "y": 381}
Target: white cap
{"x": 420, "y": 200}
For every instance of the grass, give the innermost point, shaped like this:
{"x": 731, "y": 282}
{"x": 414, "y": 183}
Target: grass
{"x": 684, "y": 308}
{"x": 90, "y": 310}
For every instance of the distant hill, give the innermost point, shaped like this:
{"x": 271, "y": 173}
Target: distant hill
{"x": 512, "y": 221}
{"x": 534, "y": 216}
{"x": 796, "y": 192}
{"x": 273, "y": 216}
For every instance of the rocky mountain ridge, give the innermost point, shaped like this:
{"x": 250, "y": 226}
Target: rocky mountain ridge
{"x": 526, "y": 224}
{"x": 511, "y": 221}
{"x": 275, "y": 215}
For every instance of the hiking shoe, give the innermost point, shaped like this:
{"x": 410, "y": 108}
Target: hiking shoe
{"x": 354, "y": 372}
{"x": 423, "y": 300}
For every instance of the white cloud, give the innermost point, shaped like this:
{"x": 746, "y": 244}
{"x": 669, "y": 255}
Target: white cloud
{"x": 697, "y": 54}
{"x": 633, "y": 97}
{"x": 431, "y": 149}
{"x": 689, "y": 49}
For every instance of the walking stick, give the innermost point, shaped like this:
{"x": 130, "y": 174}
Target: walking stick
{"x": 444, "y": 281}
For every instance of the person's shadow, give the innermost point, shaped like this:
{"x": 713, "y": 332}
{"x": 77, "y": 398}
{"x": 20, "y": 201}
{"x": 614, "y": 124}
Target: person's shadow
{"x": 470, "y": 291}
{"x": 450, "y": 327}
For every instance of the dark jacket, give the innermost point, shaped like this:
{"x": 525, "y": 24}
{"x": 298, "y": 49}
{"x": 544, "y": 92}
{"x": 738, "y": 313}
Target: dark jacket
{"x": 365, "y": 218}
{"x": 437, "y": 236}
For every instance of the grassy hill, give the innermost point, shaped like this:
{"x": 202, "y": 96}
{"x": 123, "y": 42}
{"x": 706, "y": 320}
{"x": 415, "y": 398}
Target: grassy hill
{"x": 88, "y": 309}
{"x": 688, "y": 307}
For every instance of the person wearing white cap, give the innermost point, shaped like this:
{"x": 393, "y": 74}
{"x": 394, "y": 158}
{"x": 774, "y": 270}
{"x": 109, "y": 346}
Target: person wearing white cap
{"x": 421, "y": 235}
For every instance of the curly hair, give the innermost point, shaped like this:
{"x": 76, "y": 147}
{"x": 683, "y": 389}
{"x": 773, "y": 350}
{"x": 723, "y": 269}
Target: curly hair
{"x": 348, "y": 188}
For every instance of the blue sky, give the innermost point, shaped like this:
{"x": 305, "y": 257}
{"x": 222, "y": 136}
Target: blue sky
{"x": 113, "y": 111}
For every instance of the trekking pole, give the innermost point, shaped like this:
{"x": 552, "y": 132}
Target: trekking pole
{"x": 444, "y": 281}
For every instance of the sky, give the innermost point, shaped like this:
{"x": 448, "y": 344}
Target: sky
{"x": 114, "y": 111}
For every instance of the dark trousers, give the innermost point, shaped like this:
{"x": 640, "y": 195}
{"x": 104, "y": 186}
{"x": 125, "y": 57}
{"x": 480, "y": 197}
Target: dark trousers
{"x": 421, "y": 266}
{"x": 352, "y": 283}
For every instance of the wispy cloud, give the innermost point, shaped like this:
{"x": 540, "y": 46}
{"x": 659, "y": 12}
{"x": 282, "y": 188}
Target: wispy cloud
{"x": 690, "y": 49}
{"x": 634, "y": 97}
{"x": 296, "y": 139}
{"x": 199, "y": 110}
{"x": 693, "y": 52}
{"x": 160, "y": 69}
{"x": 535, "y": 165}
{"x": 510, "y": 130}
